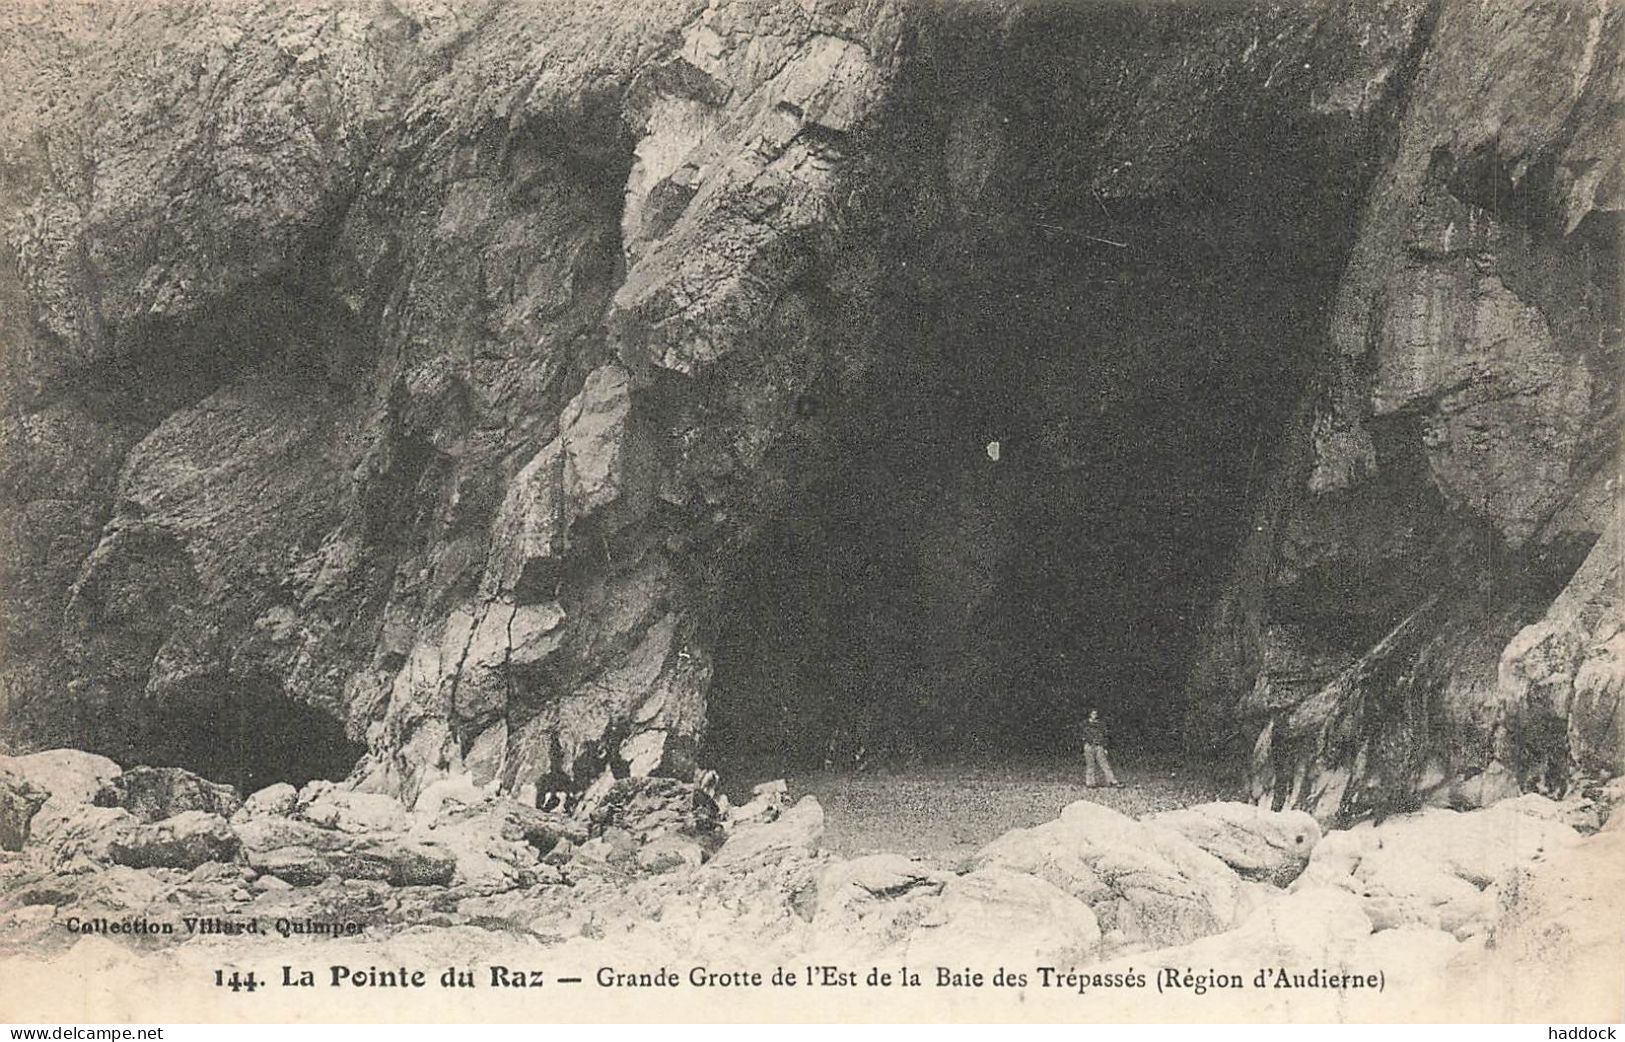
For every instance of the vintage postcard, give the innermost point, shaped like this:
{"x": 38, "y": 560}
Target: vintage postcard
{"x": 957, "y": 510}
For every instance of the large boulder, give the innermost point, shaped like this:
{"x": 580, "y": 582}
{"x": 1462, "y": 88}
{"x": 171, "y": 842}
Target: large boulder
{"x": 306, "y": 854}
{"x": 186, "y": 840}
{"x": 117, "y": 890}
{"x": 766, "y": 803}
{"x": 498, "y": 843}
{"x": 874, "y": 877}
{"x": 1148, "y": 885}
{"x": 218, "y": 883}
{"x": 995, "y": 916}
{"x": 66, "y": 825}
{"x": 869, "y": 906}
{"x": 79, "y": 833}
{"x": 452, "y": 789}
{"x": 1056, "y": 851}
{"x": 355, "y": 811}
{"x": 647, "y": 808}
{"x": 155, "y": 793}
{"x": 395, "y": 862}
{"x": 1396, "y": 887}
{"x": 1484, "y": 845}
{"x": 1437, "y": 868}
{"x": 1264, "y": 845}
{"x": 69, "y": 775}
{"x": 796, "y": 832}
{"x": 331, "y": 900}
{"x": 273, "y": 801}
{"x": 1296, "y": 932}
{"x": 1555, "y": 938}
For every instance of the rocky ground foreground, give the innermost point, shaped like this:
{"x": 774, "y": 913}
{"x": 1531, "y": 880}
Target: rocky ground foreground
{"x": 139, "y": 885}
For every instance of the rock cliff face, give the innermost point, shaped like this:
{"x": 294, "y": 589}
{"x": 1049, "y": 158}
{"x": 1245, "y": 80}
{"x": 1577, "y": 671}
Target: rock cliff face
{"x": 1431, "y": 595}
{"x": 426, "y": 388}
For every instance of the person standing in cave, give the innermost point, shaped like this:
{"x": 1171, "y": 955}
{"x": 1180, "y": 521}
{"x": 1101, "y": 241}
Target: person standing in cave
{"x": 1095, "y": 737}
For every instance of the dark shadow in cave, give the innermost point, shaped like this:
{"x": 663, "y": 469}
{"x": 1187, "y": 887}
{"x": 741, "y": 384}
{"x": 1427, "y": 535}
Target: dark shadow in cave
{"x": 933, "y": 601}
{"x": 248, "y": 734}
{"x": 1137, "y": 364}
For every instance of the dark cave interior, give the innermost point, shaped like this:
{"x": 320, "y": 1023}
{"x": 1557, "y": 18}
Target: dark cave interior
{"x": 978, "y": 605}
{"x": 246, "y": 734}
{"x": 1137, "y": 363}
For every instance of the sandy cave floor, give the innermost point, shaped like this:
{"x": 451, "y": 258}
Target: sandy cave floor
{"x": 945, "y": 813}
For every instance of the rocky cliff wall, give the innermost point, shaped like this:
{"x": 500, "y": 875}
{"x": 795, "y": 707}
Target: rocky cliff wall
{"x": 429, "y": 370}
{"x": 330, "y": 323}
{"x": 1429, "y": 607}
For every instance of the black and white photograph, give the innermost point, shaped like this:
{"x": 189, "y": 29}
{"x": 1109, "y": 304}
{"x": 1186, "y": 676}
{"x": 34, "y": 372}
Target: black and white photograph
{"x": 894, "y": 511}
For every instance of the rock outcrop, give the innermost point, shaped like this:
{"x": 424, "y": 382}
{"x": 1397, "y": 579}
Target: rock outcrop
{"x": 1438, "y": 869}
{"x": 304, "y": 855}
{"x": 155, "y": 793}
{"x": 500, "y": 843}
{"x": 1006, "y": 918}
{"x": 186, "y": 840}
{"x": 1147, "y": 884}
{"x": 1268, "y": 846}
{"x": 70, "y": 781}
{"x": 279, "y": 800}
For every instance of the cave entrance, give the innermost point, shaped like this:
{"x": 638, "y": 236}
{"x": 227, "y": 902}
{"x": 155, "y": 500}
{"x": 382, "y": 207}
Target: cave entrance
{"x": 1035, "y": 501}
{"x": 247, "y": 734}
{"x": 1033, "y": 511}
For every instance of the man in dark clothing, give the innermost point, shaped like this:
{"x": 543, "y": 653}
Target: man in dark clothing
{"x": 1094, "y": 751}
